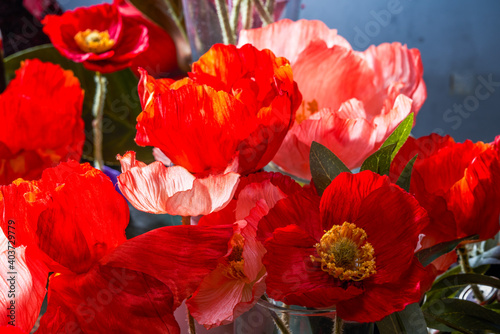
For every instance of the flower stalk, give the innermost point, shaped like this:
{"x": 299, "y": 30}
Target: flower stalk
{"x": 263, "y": 13}
{"x": 192, "y": 326}
{"x": 282, "y": 326}
{"x": 98, "y": 113}
{"x": 186, "y": 220}
{"x": 466, "y": 269}
{"x": 338, "y": 327}
{"x": 223, "y": 15}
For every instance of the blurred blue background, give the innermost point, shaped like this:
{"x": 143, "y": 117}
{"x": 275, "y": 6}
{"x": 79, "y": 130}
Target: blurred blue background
{"x": 460, "y": 48}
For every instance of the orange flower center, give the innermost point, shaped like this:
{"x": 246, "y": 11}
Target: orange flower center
{"x": 94, "y": 41}
{"x": 305, "y": 112}
{"x": 345, "y": 254}
{"x": 234, "y": 267}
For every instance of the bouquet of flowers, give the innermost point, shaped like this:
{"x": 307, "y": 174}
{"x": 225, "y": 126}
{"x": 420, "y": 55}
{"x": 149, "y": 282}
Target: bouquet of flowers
{"x": 304, "y": 205}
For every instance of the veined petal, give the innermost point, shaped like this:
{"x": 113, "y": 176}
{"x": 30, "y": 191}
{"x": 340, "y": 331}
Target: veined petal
{"x": 158, "y": 189}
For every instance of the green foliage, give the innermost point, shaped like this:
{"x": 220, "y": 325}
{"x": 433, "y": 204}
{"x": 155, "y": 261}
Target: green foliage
{"x": 325, "y": 166}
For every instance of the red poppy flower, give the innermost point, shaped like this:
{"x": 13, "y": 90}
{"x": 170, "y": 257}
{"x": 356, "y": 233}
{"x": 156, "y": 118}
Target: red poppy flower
{"x": 40, "y": 125}
{"x": 236, "y": 105}
{"x": 160, "y": 58}
{"x": 11, "y": 330}
{"x": 458, "y": 184}
{"x": 98, "y": 36}
{"x": 352, "y": 249}
{"x": 137, "y": 287}
{"x": 230, "y": 115}
{"x": 239, "y": 280}
{"x": 352, "y": 100}
{"x": 76, "y": 220}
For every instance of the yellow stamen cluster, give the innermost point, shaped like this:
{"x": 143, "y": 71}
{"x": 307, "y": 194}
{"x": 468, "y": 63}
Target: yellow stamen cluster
{"x": 94, "y": 41}
{"x": 234, "y": 268}
{"x": 344, "y": 253}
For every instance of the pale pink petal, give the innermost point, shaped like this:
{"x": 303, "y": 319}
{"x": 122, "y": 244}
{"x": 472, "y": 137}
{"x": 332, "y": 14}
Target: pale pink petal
{"x": 331, "y": 76}
{"x": 388, "y": 120}
{"x": 158, "y": 189}
{"x": 397, "y": 66}
{"x": 288, "y": 39}
{"x": 351, "y": 139}
{"x": 29, "y": 276}
{"x": 253, "y": 251}
{"x": 254, "y": 192}
{"x": 161, "y": 157}
{"x": 213, "y": 303}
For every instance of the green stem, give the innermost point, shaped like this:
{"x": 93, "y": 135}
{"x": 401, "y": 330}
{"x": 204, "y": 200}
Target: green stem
{"x": 277, "y": 320}
{"x": 466, "y": 269}
{"x": 176, "y": 18}
{"x": 235, "y": 15}
{"x": 186, "y": 220}
{"x": 192, "y": 326}
{"x": 98, "y": 113}
{"x": 264, "y": 15}
{"x": 338, "y": 327}
{"x": 246, "y": 14}
{"x": 223, "y": 15}
{"x": 270, "y": 6}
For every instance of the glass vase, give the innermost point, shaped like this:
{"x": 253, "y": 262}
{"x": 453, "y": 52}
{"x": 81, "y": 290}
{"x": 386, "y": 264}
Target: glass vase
{"x": 203, "y": 27}
{"x": 299, "y": 320}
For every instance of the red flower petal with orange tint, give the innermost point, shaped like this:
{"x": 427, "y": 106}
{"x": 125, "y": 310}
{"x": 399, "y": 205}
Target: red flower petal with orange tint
{"x": 143, "y": 281}
{"x": 40, "y": 125}
{"x": 155, "y": 188}
{"x": 61, "y": 213}
{"x": 244, "y": 100}
{"x": 458, "y": 184}
{"x": 98, "y": 36}
{"x": 11, "y": 330}
{"x": 23, "y": 278}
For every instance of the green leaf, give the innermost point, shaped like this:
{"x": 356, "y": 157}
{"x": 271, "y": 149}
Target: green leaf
{"x": 452, "y": 290}
{"x": 120, "y": 111}
{"x": 460, "y": 315}
{"x": 465, "y": 279}
{"x": 426, "y": 256}
{"x": 380, "y": 161}
{"x": 404, "y": 179}
{"x": 400, "y": 135}
{"x": 168, "y": 15}
{"x": 409, "y": 321}
{"x": 325, "y": 166}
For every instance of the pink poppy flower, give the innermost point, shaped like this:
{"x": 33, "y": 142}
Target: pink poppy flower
{"x": 239, "y": 280}
{"x": 352, "y": 100}
{"x": 156, "y": 188}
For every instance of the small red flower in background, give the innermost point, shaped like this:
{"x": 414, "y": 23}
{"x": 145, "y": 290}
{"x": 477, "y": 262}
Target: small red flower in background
{"x": 353, "y": 248}
{"x": 40, "y": 124}
{"x": 230, "y": 115}
{"x": 238, "y": 282}
{"x": 99, "y": 37}
{"x": 459, "y": 186}
{"x": 352, "y": 100}
{"x": 160, "y": 58}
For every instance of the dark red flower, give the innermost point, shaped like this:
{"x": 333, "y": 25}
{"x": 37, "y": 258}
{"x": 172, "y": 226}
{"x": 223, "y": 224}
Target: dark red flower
{"x": 236, "y": 106}
{"x": 352, "y": 249}
{"x": 459, "y": 186}
{"x": 40, "y": 124}
{"x": 160, "y": 58}
{"x": 98, "y": 36}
